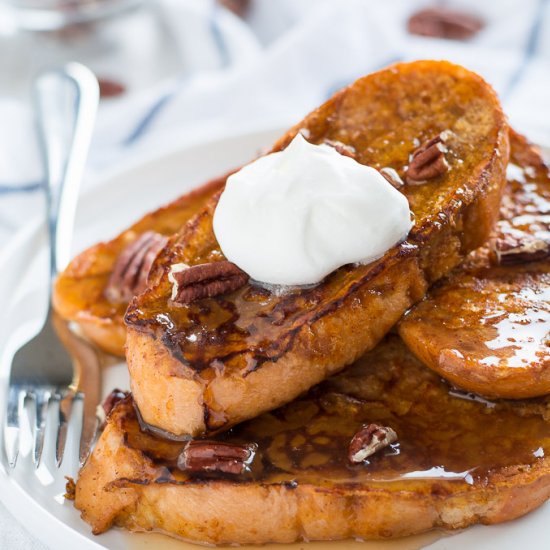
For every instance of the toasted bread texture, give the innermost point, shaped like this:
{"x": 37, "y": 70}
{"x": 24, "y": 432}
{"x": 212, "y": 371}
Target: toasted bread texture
{"x": 205, "y": 366}
{"x": 80, "y": 291}
{"x": 486, "y": 327}
{"x": 456, "y": 462}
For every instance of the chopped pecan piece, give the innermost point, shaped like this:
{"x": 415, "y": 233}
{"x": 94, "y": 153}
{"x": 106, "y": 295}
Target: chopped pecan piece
{"x": 129, "y": 276}
{"x": 513, "y": 250}
{"x": 215, "y": 456}
{"x": 70, "y": 488}
{"x": 112, "y": 399}
{"x": 442, "y": 22}
{"x": 205, "y": 280}
{"x": 342, "y": 148}
{"x": 427, "y": 162}
{"x": 368, "y": 440}
{"x": 392, "y": 177}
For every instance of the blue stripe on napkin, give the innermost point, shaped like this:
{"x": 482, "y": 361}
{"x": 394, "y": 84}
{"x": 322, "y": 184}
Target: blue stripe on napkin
{"x": 144, "y": 124}
{"x": 530, "y": 49}
{"x": 6, "y": 189}
{"x": 218, "y": 37}
{"x": 157, "y": 107}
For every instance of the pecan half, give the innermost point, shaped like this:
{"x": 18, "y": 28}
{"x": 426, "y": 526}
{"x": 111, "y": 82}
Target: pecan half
{"x": 205, "y": 280}
{"x": 129, "y": 276}
{"x": 215, "y": 456}
{"x": 110, "y": 88}
{"x": 514, "y": 250}
{"x": 442, "y": 22}
{"x": 427, "y": 162}
{"x": 238, "y": 7}
{"x": 368, "y": 440}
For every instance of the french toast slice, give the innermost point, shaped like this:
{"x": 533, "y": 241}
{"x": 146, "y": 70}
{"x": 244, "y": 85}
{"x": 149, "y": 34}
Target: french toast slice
{"x": 205, "y": 366}
{"x": 80, "y": 291}
{"x": 456, "y": 462}
{"x": 486, "y": 327}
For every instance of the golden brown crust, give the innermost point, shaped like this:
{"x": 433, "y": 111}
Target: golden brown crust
{"x": 79, "y": 293}
{"x": 234, "y": 348}
{"x": 488, "y": 459}
{"x": 174, "y": 398}
{"x": 486, "y": 326}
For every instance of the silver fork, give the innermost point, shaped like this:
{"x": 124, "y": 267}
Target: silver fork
{"x": 42, "y": 370}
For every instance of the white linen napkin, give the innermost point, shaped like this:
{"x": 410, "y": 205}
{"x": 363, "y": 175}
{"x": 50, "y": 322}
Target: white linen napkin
{"x": 204, "y": 38}
{"x": 311, "y": 48}
{"x": 304, "y": 51}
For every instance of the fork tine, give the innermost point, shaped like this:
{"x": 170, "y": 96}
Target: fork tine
{"x": 41, "y": 400}
{"x": 16, "y": 402}
{"x": 65, "y": 408}
{"x": 89, "y": 427}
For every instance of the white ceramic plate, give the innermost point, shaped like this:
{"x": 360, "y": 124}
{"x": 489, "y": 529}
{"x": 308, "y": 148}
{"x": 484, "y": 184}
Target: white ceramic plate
{"x": 35, "y": 497}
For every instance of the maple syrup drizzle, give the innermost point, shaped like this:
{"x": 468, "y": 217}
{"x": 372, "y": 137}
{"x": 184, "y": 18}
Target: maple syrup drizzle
{"x": 444, "y": 436}
{"x": 520, "y": 320}
{"x": 498, "y": 316}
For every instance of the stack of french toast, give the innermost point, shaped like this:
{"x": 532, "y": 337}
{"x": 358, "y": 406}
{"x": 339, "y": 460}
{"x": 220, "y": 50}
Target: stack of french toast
{"x": 391, "y": 398}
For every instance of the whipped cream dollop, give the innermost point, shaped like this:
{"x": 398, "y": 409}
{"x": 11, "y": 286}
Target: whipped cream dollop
{"x": 293, "y": 217}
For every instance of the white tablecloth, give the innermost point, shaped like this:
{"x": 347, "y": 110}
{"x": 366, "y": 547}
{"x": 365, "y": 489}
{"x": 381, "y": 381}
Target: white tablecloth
{"x": 288, "y": 58}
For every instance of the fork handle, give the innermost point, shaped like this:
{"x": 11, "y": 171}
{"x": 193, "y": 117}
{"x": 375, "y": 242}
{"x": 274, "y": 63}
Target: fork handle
{"x": 65, "y": 102}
